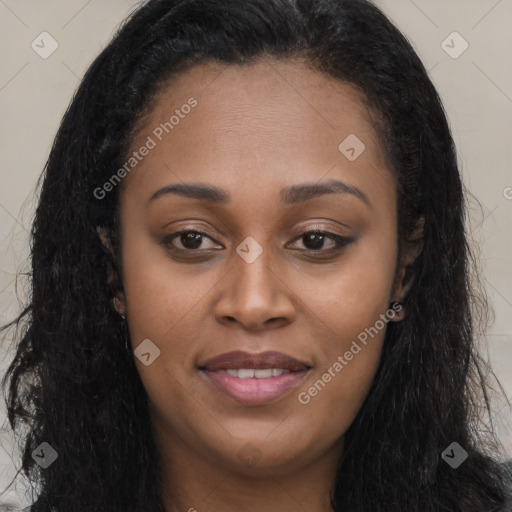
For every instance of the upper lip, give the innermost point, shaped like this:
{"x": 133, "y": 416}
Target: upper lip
{"x": 238, "y": 359}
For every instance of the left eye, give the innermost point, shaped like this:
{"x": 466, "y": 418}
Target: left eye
{"x": 316, "y": 240}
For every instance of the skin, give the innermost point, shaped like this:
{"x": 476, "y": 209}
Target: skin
{"x": 255, "y": 130}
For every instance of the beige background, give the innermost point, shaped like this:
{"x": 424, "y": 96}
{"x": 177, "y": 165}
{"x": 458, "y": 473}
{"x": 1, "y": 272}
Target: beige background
{"x": 475, "y": 87}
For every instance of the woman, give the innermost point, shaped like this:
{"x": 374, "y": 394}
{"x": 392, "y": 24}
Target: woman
{"x": 318, "y": 351}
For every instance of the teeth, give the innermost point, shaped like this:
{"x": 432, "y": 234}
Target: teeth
{"x": 263, "y": 374}
{"x": 249, "y": 373}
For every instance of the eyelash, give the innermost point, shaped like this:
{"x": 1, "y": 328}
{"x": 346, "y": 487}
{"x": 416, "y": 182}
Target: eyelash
{"x": 341, "y": 241}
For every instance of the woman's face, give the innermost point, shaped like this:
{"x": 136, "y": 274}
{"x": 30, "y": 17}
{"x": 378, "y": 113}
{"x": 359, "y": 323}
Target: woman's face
{"x": 268, "y": 139}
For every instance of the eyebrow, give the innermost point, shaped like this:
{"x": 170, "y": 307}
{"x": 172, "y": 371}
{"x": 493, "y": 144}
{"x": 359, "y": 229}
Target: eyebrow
{"x": 289, "y": 195}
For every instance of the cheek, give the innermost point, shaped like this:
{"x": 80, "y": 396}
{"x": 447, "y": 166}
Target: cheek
{"x": 351, "y": 306}
{"x": 162, "y": 296}
{"x": 352, "y": 294}
{"x": 334, "y": 393}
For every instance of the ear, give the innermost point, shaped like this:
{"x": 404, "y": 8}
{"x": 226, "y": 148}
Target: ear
{"x": 104, "y": 235}
{"x": 405, "y": 277}
{"x": 118, "y": 301}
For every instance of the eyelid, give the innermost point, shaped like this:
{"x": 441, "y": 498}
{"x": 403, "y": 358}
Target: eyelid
{"x": 321, "y": 226}
{"x": 340, "y": 240}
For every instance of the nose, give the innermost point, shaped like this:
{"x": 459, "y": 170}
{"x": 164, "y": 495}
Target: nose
{"x": 255, "y": 295}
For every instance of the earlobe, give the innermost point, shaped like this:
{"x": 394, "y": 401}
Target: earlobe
{"x": 396, "y": 311}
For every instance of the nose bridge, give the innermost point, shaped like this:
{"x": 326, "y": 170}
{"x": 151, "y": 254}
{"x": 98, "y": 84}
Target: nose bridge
{"x": 253, "y": 293}
{"x": 254, "y": 277}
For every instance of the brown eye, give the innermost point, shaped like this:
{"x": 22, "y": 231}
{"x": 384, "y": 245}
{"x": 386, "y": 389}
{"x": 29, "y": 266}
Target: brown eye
{"x": 193, "y": 241}
{"x": 314, "y": 241}
{"x": 190, "y": 240}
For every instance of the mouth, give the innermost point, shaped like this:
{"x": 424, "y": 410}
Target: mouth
{"x": 254, "y": 379}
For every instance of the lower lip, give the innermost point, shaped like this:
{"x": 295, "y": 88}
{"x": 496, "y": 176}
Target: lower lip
{"x": 255, "y": 391}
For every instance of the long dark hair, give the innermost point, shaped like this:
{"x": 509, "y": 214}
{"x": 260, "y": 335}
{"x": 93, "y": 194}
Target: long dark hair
{"x": 74, "y": 385}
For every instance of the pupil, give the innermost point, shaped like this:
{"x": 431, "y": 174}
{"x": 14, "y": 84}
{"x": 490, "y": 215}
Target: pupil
{"x": 317, "y": 240}
{"x": 191, "y": 240}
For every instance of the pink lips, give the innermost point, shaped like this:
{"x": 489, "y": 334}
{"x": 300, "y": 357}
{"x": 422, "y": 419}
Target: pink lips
{"x": 254, "y": 390}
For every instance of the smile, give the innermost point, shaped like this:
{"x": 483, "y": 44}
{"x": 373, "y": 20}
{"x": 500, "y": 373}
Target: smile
{"x": 249, "y": 373}
{"x": 254, "y": 379}
{"x": 255, "y": 386}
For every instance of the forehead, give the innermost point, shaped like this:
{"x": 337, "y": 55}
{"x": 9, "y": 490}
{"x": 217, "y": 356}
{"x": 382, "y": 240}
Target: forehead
{"x": 253, "y": 126}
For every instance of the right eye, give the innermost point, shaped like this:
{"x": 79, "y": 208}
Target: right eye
{"x": 190, "y": 240}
